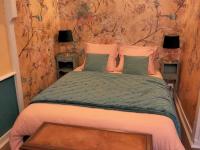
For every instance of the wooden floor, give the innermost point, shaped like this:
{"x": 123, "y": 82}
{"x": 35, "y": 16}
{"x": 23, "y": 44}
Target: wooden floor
{"x": 6, "y": 147}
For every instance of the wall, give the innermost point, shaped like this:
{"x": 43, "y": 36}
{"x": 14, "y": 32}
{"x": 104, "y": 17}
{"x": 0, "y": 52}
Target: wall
{"x": 143, "y": 23}
{"x": 35, "y": 27}
{"x": 104, "y": 21}
{"x": 8, "y": 100}
{"x": 132, "y": 22}
{"x": 5, "y": 64}
{"x": 190, "y": 62}
{"x": 8, "y": 105}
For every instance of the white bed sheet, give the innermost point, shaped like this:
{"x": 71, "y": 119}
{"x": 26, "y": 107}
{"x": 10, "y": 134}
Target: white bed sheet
{"x": 161, "y": 128}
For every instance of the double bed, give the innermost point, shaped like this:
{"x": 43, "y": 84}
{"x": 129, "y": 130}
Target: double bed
{"x": 120, "y": 104}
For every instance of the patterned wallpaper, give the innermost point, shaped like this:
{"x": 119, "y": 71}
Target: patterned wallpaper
{"x": 104, "y": 21}
{"x": 132, "y": 22}
{"x": 36, "y": 26}
{"x": 190, "y": 62}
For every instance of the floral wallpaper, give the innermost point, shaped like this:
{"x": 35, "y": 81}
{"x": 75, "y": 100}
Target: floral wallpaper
{"x": 35, "y": 27}
{"x": 190, "y": 61}
{"x": 135, "y": 22}
{"x": 132, "y": 22}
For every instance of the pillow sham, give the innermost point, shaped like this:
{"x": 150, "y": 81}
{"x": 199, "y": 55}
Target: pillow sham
{"x": 138, "y": 51}
{"x": 110, "y": 49}
{"x": 137, "y": 65}
{"x": 96, "y": 62}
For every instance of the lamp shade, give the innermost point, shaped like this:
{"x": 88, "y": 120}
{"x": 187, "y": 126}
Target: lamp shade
{"x": 65, "y": 36}
{"x": 171, "y": 42}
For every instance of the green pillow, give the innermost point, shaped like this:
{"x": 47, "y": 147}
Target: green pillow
{"x": 96, "y": 62}
{"x": 137, "y": 65}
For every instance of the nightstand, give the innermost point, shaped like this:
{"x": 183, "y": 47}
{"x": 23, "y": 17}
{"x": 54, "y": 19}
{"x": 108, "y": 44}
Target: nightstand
{"x": 66, "y": 62}
{"x": 170, "y": 71}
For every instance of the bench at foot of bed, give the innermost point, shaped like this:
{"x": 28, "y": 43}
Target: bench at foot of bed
{"x": 56, "y": 136}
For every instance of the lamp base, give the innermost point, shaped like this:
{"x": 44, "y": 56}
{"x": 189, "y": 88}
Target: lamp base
{"x": 171, "y": 55}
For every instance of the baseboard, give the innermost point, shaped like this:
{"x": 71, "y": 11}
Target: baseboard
{"x": 4, "y": 139}
{"x": 185, "y": 123}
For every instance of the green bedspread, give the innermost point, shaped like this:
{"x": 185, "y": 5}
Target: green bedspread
{"x": 133, "y": 93}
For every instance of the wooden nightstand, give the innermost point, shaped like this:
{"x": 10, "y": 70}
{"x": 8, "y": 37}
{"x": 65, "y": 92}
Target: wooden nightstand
{"x": 170, "y": 71}
{"x": 65, "y": 137}
{"x": 66, "y": 62}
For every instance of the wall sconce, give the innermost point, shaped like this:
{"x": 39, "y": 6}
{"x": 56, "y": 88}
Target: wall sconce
{"x": 170, "y": 16}
{"x": 38, "y": 17}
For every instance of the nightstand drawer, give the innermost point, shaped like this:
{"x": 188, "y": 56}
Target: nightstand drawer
{"x": 65, "y": 59}
{"x": 170, "y": 68}
{"x": 65, "y": 70}
{"x": 169, "y": 76}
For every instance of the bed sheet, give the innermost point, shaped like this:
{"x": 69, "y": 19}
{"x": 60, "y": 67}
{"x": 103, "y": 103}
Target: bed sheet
{"x": 161, "y": 128}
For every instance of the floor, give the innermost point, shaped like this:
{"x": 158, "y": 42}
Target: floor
{"x": 6, "y": 147}
{"x": 186, "y": 142}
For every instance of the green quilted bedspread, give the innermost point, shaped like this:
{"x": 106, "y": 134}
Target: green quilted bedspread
{"x": 132, "y": 93}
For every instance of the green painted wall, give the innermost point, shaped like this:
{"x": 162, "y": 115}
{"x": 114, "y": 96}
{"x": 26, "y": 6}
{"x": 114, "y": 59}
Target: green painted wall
{"x": 8, "y": 105}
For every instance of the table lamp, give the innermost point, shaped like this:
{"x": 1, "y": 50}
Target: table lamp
{"x": 171, "y": 44}
{"x": 65, "y": 36}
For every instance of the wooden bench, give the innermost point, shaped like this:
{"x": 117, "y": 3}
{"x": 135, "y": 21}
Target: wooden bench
{"x": 64, "y": 137}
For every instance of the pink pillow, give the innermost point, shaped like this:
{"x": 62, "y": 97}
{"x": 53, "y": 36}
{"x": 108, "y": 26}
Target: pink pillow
{"x": 137, "y": 51}
{"x": 110, "y": 49}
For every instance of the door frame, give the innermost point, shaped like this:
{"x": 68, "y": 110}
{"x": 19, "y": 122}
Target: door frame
{"x": 11, "y": 14}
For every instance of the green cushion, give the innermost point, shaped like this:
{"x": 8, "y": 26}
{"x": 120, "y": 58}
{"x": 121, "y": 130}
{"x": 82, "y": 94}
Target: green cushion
{"x": 96, "y": 62}
{"x": 137, "y": 65}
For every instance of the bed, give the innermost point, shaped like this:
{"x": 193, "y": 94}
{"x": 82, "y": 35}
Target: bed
{"x": 101, "y": 96}
{"x": 162, "y": 128}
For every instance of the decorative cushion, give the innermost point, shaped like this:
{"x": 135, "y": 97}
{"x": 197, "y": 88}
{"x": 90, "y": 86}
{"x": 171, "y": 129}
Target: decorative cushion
{"x": 138, "y": 51}
{"x": 137, "y": 65}
{"x": 110, "y": 49}
{"x": 96, "y": 62}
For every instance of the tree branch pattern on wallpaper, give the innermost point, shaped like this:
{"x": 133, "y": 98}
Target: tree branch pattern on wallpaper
{"x": 103, "y": 21}
{"x": 35, "y": 27}
{"x": 29, "y": 29}
{"x": 190, "y": 61}
{"x": 134, "y": 22}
